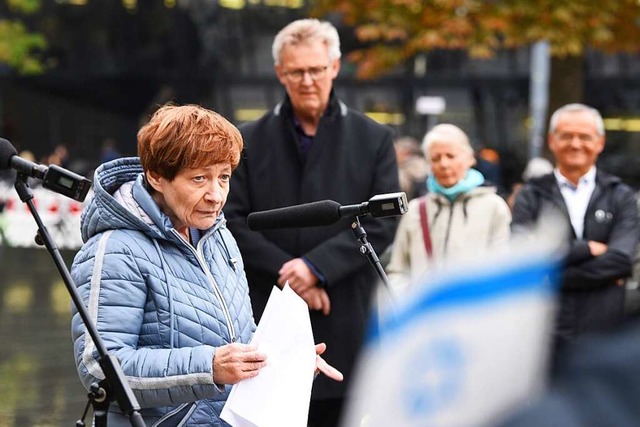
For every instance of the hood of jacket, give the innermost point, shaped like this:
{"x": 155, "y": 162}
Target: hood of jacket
{"x": 121, "y": 202}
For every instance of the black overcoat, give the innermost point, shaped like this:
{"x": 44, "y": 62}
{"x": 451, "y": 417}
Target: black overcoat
{"x": 350, "y": 160}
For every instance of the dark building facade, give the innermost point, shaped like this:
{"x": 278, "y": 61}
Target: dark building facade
{"x": 111, "y": 63}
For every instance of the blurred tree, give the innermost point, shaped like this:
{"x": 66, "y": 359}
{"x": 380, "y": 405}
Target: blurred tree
{"x": 19, "y": 47}
{"x": 393, "y": 32}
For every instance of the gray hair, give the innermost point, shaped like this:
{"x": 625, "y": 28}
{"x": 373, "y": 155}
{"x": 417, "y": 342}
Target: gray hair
{"x": 576, "y": 108}
{"x": 304, "y": 30}
{"x": 447, "y": 134}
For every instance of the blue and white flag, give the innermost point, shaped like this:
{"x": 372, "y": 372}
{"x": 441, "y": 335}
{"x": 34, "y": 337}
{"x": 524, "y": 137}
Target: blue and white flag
{"x": 461, "y": 350}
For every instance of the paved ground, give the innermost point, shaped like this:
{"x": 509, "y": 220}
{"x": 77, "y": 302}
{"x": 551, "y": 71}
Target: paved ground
{"x": 38, "y": 381}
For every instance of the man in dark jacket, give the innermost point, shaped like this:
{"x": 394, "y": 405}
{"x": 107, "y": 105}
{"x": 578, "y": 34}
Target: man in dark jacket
{"x": 603, "y": 219}
{"x": 312, "y": 147}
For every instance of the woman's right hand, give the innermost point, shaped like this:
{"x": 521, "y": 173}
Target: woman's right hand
{"x": 235, "y": 362}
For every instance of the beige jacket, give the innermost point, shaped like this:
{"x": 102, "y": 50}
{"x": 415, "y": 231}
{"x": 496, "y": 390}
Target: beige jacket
{"x": 474, "y": 222}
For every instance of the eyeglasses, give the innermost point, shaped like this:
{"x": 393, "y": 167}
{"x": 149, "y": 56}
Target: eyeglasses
{"x": 568, "y": 137}
{"x": 296, "y": 76}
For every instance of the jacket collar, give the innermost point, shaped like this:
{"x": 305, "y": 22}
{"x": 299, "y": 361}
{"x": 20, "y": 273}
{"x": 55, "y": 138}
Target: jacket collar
{"x": 548, "y": 188}
{"x": 334, "y": 108}
{"x": 547, "y": 183}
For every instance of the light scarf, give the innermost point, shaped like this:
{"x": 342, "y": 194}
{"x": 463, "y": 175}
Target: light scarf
{"x": 471, "y": 180}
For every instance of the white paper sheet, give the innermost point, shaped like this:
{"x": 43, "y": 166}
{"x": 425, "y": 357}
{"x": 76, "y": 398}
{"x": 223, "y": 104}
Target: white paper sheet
{"x": 280, "y": 394}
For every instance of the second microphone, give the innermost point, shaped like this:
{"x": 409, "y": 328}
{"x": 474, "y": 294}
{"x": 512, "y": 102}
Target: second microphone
{"x": 326, "y": 212}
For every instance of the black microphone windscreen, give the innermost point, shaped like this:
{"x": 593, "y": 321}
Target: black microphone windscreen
{"x": 324, "y": 212}
{"x": 7, "y": 151}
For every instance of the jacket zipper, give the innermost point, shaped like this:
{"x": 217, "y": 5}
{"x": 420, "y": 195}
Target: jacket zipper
{"x": 203, "y": 265}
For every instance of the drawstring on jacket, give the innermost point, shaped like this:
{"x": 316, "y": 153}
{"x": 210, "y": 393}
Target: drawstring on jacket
{"x": 232, "y": 261}
{"x": 464, "y": 208}
{"x": 440, "y": 208}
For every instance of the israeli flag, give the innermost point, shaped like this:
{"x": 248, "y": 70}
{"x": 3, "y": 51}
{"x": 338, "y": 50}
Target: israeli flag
{"x": 465, "y": 348}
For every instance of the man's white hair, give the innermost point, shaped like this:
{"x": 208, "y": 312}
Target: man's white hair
{"x": 303, "y": 31}
{"x": 576, "y": 108}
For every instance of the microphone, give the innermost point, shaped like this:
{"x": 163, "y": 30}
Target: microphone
{"x": 53, "y": 177}
{"x": 326, "y": 212}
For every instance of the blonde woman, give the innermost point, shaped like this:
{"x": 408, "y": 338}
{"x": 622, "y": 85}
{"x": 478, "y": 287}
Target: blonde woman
{"x": 458, "y": 216}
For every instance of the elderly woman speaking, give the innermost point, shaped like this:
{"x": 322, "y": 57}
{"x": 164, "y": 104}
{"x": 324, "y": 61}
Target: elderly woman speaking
{"x": 163, "y": 278}
{"x": 456, "y": 218}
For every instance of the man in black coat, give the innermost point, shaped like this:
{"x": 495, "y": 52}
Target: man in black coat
{"x": 312, "y": 147}
{"x": 603, "y": 218}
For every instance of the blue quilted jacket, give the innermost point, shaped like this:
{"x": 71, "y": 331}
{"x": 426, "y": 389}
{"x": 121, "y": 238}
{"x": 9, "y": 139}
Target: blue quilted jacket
{"x": 161, "y": 305}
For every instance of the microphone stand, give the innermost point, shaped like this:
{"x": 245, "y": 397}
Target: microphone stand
{"x": 367, "y": 250}
{"x": 114, "y": 384}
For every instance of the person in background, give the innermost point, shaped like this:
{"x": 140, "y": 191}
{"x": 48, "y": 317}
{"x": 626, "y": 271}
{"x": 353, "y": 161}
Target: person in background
{"x": 162, "y": 276}
{"x": 59, "y": 156}
{"x": 633, "y": 283}
{"x": 312, "y": 147}
{"x": 488, "y": 164}
{"x": 457, "y": 217}
{"x": 537, "y": 166}
{"x": 412, "y": 166}
{"x": 109, "y": 150}
{"x": 602, "y": 218}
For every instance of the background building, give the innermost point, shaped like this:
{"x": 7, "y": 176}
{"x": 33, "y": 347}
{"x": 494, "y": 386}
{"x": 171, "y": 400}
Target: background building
{"x": 110, "y": 63}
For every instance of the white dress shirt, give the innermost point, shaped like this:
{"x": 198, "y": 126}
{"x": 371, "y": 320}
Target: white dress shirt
{"x": 577, "y": 198}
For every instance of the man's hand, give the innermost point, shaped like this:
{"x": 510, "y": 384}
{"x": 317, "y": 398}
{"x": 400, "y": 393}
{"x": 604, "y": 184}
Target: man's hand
{"x": 596, "y": 248}
{"x": 235, "y": 362}
{"x": 317, "y": 298}
{"x": 324, "y": 367}
{"x": 298, "y": 274}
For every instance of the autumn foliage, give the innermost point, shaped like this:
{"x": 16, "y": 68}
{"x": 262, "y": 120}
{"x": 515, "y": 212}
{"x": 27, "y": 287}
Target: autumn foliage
{"x": 19, "y": 47}
{"x": 393, "y": 31}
